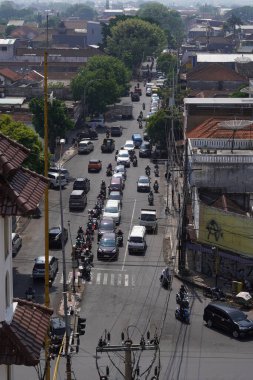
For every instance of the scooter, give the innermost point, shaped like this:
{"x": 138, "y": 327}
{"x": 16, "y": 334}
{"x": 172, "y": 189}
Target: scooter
{"x": 120, "y": 240}
{"x": 156, "y": 187}
{"x": 150, "y": 200}
{"x": 85, "y": 270}
{"x": 135, "y": 162}
{"x": 147, "y": 171}
{"x": 214, "y": 293}
{"x": 109, "y": 172}
{"x": 183, "y": 315}
{"x": 182, "y": 300}
{"x": 156, "y": 171}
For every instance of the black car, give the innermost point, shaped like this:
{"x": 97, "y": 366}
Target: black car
{"x": 145, "y": 150}
{"x": 108, "y": 247}
{"x": 87, "y": 134}
{"x": 82, "y": 184}
{"x": 55, "y": 237}
{"x": 116, "y": 131}
{"x": 106, "y": 225}
{"x": 227, "y": 318}
{"x": 135, "y": 97}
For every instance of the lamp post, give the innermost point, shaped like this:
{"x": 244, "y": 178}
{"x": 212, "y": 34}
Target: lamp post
{"x": 65, "y": 301}
{"x": 216, "y": 258}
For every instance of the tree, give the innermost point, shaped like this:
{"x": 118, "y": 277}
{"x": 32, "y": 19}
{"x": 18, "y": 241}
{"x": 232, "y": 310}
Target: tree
{"x": 244, "y": 13}
{"x": 58, "y": 120}
{"x": 233, "y": 22}
{"x": 83, "y": 11}
{"x": 27, "y": 137}
{"x": 168, "y": 20}
{"x": 133, "y": 39}
{"x": 167, "y": 63}
{"x": 159, "y": 125}
{"x": 100, "y": 83}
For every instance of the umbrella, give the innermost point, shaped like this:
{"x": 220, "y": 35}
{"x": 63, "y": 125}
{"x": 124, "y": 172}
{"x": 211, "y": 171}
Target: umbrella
{"x": 244, "y": 295}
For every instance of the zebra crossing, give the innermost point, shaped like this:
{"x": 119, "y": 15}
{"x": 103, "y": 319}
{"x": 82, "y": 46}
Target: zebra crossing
{"x": 105, "y": 279}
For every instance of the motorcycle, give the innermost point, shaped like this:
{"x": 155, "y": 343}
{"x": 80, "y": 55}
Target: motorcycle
{"x": 147, "y": 171}
{"x": 109, "y": 172}
{"x": 30, "y": 294}
{"x": 135, "y": 162}
{"x": 120, "y": 240}
{"x": 182, "y": 299}
{"x": 143, "y": 106}
{"x": 140, "y": 124}
{"x": 156, "y": 187}
{"x": 214, "y": 293}
{"x": 87, "y": 257}
{"x": 156, "y": 171}
{"x": 85, "y": 271}
{"x": 150, "y": 200}
{"x": 183, "y": 315}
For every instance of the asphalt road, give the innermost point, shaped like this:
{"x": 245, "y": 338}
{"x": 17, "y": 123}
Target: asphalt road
{"x": 126, "y": 295}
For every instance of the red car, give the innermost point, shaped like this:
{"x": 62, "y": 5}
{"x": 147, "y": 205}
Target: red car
{"x": 94, "y": 166}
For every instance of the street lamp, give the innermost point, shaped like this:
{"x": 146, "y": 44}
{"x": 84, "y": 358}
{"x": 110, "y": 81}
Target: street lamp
{"x": 65, "y": 301}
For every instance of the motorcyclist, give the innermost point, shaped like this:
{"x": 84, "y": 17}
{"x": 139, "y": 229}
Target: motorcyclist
{"x": 120, "y": 236}
{"x": 147, "y": 170}
{"x": 135, "y": 162}
{"x": 156, "y": 186}
{"x": 80, "y": 230}
{"x": 182, "y": 291}
{"x": 109, "y": 166}
{"x": 141, "y": 114}
{"x": 151, "y": 196}
{"x": 143, "y": 106}
{"x": 107, "y": 133}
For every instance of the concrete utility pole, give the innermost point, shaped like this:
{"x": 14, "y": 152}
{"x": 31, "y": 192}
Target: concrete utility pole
{"x": 128, "y": 347}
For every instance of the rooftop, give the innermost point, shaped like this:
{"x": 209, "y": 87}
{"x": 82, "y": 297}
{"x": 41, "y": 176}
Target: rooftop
{"x": 222, "y": 58}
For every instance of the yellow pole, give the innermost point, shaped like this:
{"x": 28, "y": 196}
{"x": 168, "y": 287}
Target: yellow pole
{"x": 58, "y": 359}
{"x": 46, "y": 224}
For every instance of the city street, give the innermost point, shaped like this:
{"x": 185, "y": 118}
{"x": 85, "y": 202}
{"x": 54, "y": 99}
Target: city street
{"x": 126, "y": 296}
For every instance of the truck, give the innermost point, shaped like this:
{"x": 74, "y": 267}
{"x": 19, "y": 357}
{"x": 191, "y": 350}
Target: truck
{"x": 121, "y": 110}
{"x": 148, "y": 219}
{"x": 108, "y": 146}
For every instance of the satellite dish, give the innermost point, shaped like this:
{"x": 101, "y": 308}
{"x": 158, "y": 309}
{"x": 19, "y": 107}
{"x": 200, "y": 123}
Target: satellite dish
{"x": 234, "y": 125}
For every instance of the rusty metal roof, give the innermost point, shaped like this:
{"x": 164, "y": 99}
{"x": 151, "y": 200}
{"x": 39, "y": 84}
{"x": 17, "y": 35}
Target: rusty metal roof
{"x": 22, "y": 339}
{"x": 12, "y": 154}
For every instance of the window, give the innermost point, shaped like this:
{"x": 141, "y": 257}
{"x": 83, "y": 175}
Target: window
{"x": 4, "y": 48}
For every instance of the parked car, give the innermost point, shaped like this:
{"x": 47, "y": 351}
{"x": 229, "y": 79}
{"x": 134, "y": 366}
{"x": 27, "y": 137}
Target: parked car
{"x": 55, "y": 237}
{"x": 82, "y": 184}
{"x": 116, "y": 131}
{"x": 56, "y": 180}
{"x": 85, "y": 146}
{"x": 143, "y": 184}
{"x": 16, "y": 243}
{"x": 94, "y": 165}
{"x": 120, "y": 175}
{"x": 57, "y": 170}
{"x": 227, "y": 318}
{"x": 38, "y": 271}
{"x": 112, "y": 210}
{"x": 96, "y": 123}
{"x": 87, "y": 134}
{"x": 135, "y": 97}
{"x": 148, "y": 91}
{"x": 123, "y": 158}
{"x": 108, "y": 247}
{"x": 106, "y": 225}
{"x": 108, "y": 146}
{"x": 57, "y": 331}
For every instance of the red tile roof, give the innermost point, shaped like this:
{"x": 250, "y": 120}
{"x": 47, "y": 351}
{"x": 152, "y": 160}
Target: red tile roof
{"x": 20, "y": 188}
{"x": 214, "y": 72}
{"x": 10, "y": 74}
{"x": 210, "y": 129}
{"x": 21, "y": 341}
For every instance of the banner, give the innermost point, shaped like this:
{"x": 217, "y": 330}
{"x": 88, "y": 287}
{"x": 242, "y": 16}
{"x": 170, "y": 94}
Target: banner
{"x": 226, "y": 230}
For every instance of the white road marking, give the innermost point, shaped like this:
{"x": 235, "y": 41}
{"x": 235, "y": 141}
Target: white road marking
{"x": 105, "y": 278}
{"x": 112, "y": 279}
{"x": 126, "y": 279}
{"x": 98, "y": 278}
{"x": 119, "y": 279}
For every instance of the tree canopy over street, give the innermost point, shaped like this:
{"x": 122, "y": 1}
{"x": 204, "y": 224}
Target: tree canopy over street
{"x": 243, "y": 14}
{"x": 100, "y": 83}
{"x": 58, "y": 120}
{"x": 133, "y": 39}
{"x": 27, "y": 137}
{"x": 168, "y": 20}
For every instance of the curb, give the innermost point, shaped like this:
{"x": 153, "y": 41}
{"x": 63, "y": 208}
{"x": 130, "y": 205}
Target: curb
{"x": 189, "y": 281}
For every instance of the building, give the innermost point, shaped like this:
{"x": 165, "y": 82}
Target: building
{"x": 23, "y": 324}
{"x": 219, "y": 210}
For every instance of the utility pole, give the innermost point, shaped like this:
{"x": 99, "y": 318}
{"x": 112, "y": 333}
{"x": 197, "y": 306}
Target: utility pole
{"x": 127, "y": 346}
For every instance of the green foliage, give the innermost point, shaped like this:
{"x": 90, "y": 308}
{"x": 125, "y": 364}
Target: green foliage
{"x": 167, "y": 63}
{"x": 239, "y": 94}
{"x": 58, "y": 121}
{"x": 83, "y": 11}
{"x": 51, "y": 86}
{"x": 159, "y": 125}
{"x": 53, "y": 22}
{"x": 27, "y": 137}
{"x": 168, "y": 20}
{"x": 9, "y": 29}
{"x": 132, "y": 39}
{"x": 100, "y": 82}
{"x": 9, "y": 10}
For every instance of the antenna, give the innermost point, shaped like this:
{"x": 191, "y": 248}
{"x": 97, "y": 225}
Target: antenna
{"x": 235, "y": 125}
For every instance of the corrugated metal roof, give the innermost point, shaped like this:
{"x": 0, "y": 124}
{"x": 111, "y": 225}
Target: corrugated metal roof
{"x": 217, "y": 101}
{"x": 13, "y": 101}
{"x": 221, "y": 58}
{"x": 7, "y": 41}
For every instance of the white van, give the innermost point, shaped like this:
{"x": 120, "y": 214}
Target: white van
{"x": 113, "y": 210}
{"x": 55, "y": 180}
{"x": 137, "y": 240}
{"x": 96, "y": 122}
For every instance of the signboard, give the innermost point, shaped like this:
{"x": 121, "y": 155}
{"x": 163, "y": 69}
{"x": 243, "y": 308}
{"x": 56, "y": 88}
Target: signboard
{"x": 226, "y": 230}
